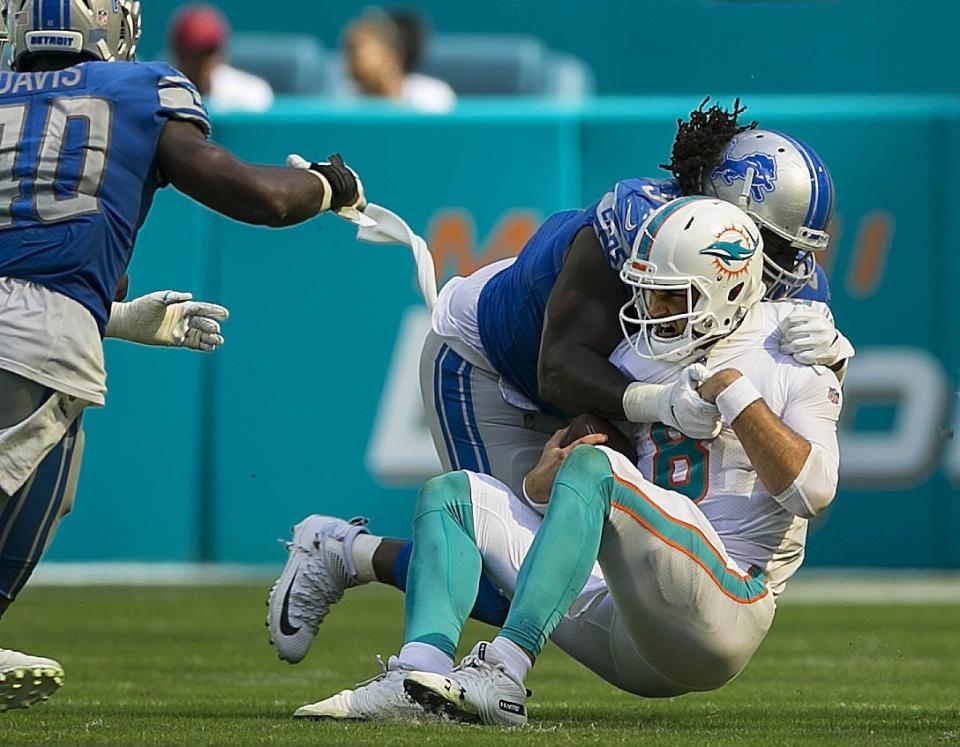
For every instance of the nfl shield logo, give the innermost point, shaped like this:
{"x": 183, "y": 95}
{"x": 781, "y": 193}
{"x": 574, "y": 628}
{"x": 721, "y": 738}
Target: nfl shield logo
{"x": 834, "y": 396}
{"x": 102, "y": 17}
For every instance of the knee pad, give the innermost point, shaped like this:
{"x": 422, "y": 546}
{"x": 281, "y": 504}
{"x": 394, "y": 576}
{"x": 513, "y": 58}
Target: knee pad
{"x": 586, "y": 471}
{"x": 448, "y": 492}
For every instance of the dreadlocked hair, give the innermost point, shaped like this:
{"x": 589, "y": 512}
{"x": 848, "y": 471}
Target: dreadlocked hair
{"x": 700, "y": 143}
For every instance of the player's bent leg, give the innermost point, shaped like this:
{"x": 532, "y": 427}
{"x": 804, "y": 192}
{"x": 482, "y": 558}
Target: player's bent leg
{"x": 488, "y": 684}
{"x": 28, "y": 521}
{"x": 444, "y": 571}
{"x": 472, "y": 426}
{"x": 691, "y": 612}
{"x": 444, "y": 574}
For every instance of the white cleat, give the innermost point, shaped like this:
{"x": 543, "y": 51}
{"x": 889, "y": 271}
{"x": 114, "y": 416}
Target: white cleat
{"x": 379, "y": 699}
{"x": 479, "y": 690}
{"x": 319, "y": 568}
{"x": 25, "y": 680}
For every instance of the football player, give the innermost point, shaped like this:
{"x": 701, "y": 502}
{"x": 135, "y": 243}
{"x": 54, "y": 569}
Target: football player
{"x": 521, "y": 344}
{"x": 662, "y": 575}
{"x": 87, "y": 136}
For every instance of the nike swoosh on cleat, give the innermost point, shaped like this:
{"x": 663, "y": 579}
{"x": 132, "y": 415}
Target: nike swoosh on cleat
{"x": 285, "y": 627}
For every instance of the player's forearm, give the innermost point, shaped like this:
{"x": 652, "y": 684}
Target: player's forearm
{"x": 777, "y": 453}
{"x": 579, "y": 380}
{"x": 260, "y": 195}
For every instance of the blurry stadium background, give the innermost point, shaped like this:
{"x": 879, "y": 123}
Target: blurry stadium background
{"x": 313, "y": 404}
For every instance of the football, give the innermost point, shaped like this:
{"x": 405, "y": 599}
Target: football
{"x": 584, "y": 425}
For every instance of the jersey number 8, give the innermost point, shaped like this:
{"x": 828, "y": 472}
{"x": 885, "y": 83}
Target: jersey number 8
{"x": 679, "y": 463}
{"x": 66, "y": 181}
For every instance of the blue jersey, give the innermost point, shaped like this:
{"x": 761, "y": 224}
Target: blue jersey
{"x": 78, "y": 170}
{"x": 512, "y": 305}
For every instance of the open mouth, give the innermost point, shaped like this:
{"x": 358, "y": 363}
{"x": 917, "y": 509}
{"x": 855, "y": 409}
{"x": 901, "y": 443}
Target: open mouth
{"x": 667, "y": 329}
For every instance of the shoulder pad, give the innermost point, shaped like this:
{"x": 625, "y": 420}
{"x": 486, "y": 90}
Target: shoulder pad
{"x": 620, "y": 213}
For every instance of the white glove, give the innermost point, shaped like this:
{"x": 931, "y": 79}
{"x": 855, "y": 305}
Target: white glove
{"x": 812, "y": 339}
{"x": 685, "y": 410}
{"x": 168, "y": 318}
{"x": 341, "y": 184}
{"x": 677, "y": 405}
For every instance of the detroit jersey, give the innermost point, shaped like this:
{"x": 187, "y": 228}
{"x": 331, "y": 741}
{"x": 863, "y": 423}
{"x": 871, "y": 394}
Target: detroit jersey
{"x": 717, "y": 474}
{"x": 78, "y": 171}
{"x": 512, "y": 304}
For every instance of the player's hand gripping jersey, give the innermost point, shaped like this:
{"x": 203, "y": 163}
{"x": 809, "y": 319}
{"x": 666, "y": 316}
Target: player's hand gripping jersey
{"x": 78, "y": 160}
{"x": 716, "y": 474}
{"x": 512, "y": 304}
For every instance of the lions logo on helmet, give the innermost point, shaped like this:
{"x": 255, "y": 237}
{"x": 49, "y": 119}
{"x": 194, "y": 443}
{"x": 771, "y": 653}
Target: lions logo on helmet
{"x": 762, "y": 166}
{"x": 785, "y": 187}
{"x": 706, "y": 249}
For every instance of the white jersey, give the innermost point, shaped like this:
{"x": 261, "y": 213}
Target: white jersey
{"x": 716, "y": 474}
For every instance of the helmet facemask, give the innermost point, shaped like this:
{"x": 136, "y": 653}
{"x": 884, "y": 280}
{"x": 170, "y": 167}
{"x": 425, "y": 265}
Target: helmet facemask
{"x": 714, "y": 266}
{"x": 787, "y": 268}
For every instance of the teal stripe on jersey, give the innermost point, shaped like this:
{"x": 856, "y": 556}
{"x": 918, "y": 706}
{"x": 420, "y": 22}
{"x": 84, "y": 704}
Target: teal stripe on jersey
{"x": 690, "y": 541}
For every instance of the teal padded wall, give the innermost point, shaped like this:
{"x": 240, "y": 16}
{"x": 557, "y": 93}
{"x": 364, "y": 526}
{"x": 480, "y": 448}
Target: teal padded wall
{"x": 212, "y": 457}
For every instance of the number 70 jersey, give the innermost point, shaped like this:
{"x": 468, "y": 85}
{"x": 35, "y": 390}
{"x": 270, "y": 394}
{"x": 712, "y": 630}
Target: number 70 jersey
{"x": 78, "y": 171}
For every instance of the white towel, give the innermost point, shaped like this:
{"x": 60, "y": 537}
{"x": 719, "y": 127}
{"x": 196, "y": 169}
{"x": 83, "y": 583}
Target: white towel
{"x": 390, "y": 228}
{"x": 24, "y": 445}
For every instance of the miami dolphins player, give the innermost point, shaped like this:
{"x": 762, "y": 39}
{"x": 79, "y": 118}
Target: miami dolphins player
{"x": 520, "y": 345}
{"x": 87, "y": 136}
{"x": 661, "y": 576}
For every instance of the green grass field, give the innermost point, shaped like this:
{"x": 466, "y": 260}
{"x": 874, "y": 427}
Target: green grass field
{"x": 192, "y": 666}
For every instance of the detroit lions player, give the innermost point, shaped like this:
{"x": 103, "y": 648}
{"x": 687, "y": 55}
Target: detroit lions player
{"x": 519, "y": 343}
{"x": 660, "y": 576}
{"x": 86, "y": 138}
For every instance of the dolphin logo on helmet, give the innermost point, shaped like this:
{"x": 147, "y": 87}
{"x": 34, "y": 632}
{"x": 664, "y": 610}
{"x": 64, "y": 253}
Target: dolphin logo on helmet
{"x": 729, "y": 251}
{"x": 764, "y": 168}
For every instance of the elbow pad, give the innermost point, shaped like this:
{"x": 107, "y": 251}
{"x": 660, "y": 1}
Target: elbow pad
{"x": 813, "y": 489}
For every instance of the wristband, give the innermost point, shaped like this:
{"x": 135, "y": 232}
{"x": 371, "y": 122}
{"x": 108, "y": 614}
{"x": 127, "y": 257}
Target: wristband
{"x": 641, "y": 402}
{"x": 540, "y": 508}
{"x": 736, "y": 398}
{"x": 327, "y": 189}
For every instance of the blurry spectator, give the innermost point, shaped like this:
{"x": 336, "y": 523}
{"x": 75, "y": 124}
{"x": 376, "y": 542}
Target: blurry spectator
{"x": 383, "y": 49}
{"x": 198, "y": 39}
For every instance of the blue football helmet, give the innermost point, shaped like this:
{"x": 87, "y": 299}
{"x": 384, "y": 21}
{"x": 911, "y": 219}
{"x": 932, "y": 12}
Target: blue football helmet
{"x": 785, "y": 187}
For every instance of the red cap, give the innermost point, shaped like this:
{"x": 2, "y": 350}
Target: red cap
{"x": 198, "y": 28}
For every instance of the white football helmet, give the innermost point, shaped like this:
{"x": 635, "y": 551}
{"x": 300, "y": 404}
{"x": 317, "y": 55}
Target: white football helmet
{"x": 785, "y": 187}
{"x": 706, "y": 247}
{"x": 105, "y": 30}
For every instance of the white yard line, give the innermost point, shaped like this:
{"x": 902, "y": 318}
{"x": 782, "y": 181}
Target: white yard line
{"x": 809, "y": 587}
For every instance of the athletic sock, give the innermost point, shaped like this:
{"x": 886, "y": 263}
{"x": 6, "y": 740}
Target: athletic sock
{"x": 564, "y": 550}
{"x": 364, "y": 546}
{"x": 516, "y": 660}
{"x": 425, "y": 658}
